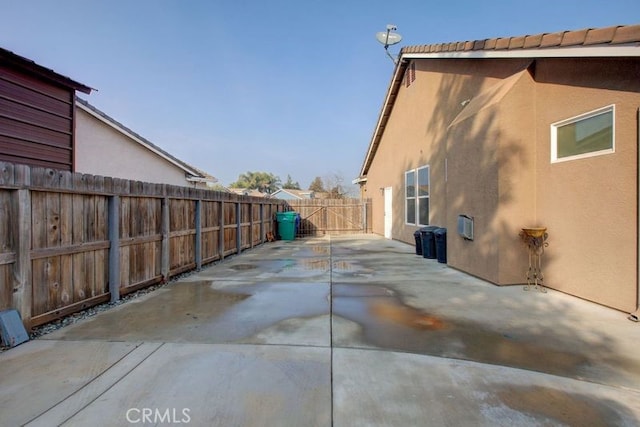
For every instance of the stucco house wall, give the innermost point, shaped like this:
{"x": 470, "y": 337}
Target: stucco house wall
{"x": 490, "y": 166}
{"x": 590, "y": 205}
{"x": 105, "y": 148}
{"x": 483, "y": 126}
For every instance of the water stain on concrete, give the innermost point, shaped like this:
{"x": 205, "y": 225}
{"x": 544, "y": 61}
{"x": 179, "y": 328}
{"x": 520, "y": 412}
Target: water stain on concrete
{"x": 301, "y": 267}
{"x": 344, "y": 269}
{"x": 313, "y": 251}
{"x": 196, "y": 312}
{"x": 391, "y": 311}
{"x": 242, "y": 267}
{"x": 387, "y": 322}
{"x": 563, "y": 408}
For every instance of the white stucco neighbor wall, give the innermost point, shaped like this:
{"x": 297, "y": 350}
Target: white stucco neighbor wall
{"x": 102, "y": 150}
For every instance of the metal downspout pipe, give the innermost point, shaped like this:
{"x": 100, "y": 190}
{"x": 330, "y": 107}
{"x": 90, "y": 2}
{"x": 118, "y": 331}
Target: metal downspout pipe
{"x": 635, "y": 316}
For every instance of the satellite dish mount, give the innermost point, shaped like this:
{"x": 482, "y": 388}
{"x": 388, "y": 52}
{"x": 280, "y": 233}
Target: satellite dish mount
{"x": 389, "y": 38}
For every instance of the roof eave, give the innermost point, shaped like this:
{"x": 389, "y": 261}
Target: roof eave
{"x": 595, "y": 51}
{"x": 385, "y": 112}
{"x": 32, "y": 67}
{"x": 607, "y": 50}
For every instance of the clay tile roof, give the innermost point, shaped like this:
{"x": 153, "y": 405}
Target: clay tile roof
{"x": 516, "y": 42}
{"x": 572, "y": 38}
{"x": 532, "y": 41}
{"x": 600, "y": 35}
{"x": 479, "y": 45}
{"x": 490, "y": 44}
{"x": 507, "y": 46}
{"x": 630, "y": 33}
{"x": 551, "y": 39}
{"x": 502, "y": 43}
{"x": 585, "y": 37}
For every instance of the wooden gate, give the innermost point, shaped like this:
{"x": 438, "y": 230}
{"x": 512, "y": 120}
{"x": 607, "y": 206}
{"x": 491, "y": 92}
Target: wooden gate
{"x": 332, "y": 216}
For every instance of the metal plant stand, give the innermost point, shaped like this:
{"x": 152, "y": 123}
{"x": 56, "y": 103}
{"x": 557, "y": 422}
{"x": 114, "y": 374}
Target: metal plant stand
{"x": 536, "y": 241}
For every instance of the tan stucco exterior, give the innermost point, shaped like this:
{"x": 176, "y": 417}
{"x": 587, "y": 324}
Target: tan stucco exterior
{"x": 483, "y": 127}
{"x": 101, "y": 149}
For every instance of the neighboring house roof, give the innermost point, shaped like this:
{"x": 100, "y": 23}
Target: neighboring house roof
{"x": 247, "y": 192}
{"x": 617, "y": 41}
{"x": 28, "y": 65}
{"x": 293, "y": 194}
{"x": 193, "y": 174}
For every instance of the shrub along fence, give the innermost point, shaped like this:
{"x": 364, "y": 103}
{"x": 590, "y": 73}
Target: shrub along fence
{"x": 69, "y": 241}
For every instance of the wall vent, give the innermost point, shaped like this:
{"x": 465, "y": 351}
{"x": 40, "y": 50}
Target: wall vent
{"x": 465, "y": 226}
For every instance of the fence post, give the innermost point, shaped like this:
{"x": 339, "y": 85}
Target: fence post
{"x": 165, "y": 267}
{"x": 364, "y": 215}
{"x": 221, "y": 233}
{"x": 199, "y": 234}
{"x": 251, "y": 224}
{"x": 326, "y": 217}
{"x": 23, "y": 285}
{"x": 262, "y": 233}
{"x": 239, "y": 228}
{"x": 114, "y": 247}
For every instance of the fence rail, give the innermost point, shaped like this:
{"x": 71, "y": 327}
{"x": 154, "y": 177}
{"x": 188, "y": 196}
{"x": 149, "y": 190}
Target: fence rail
{"x": 69, "y": 241}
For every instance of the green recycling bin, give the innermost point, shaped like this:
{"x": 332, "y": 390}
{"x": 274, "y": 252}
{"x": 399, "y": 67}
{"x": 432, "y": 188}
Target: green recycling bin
{"x": 286, "y": 225}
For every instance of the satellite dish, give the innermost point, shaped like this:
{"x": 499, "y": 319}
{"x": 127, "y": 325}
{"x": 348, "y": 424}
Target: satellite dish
{"x": 388, "y": 38}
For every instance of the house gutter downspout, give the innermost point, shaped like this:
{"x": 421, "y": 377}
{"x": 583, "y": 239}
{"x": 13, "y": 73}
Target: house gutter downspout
{"x": 635, "y": 316}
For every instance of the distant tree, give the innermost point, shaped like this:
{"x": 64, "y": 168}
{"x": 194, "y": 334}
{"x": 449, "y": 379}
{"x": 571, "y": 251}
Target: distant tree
{"x": 334, "y": 184}
{"x": 264, "y": 182}
{"x": 317, "y": 185}
{"x": 290, "y": 185}
{"x": 217, "y": 187}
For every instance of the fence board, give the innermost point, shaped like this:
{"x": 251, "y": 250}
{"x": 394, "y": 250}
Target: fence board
{"x": 6, "y": 288}
{"x": 182, "y": 235}
{"x": 7, "y": 243}
{"x": 332, "y": 216}
{"x": 230, "y": 228}
{"x": 210, "y": 231}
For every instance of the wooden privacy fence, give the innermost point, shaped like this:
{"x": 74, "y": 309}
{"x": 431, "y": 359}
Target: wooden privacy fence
{"x": 332, "y": 216}
{"x": 70, "y": 241}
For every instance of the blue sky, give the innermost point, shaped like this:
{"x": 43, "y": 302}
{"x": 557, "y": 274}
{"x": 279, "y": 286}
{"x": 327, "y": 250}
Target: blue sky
{"x": 280, "y": 86}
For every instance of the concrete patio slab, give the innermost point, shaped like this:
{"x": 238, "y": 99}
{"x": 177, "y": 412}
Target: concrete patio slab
{"x": 44, "y": 374}
{"x": 388, "y": 388}
{"x": 214, "y": 385}
{"x": 347, "y": 330}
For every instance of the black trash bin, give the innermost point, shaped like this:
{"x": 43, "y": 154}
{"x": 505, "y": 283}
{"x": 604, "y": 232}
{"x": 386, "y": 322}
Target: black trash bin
{"x": 428, "y": 241}
{"x": 418, "y": 236}
{"x": 441, "y": 244}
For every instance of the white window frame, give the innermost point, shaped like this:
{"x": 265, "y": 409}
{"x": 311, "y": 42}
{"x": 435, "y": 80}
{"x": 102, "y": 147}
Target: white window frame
{"x": 416, "y": 197}
{"x": 575, "y": 119}
{"x": 407, "y": 198}
{"x": 419, "y": 197}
